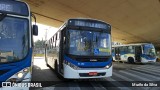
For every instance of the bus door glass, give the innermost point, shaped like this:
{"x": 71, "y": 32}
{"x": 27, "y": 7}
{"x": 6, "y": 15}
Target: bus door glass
{"x": 62, "y": 49}
{"x": 117, "y": 53}
{"x": 138, "y": 53}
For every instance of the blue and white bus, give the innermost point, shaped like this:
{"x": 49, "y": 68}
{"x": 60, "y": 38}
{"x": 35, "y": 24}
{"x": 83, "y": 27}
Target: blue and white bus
{"x": 134, "y": 53}
{"x": 16, "y": 42}
{"x": 81, "y": 48}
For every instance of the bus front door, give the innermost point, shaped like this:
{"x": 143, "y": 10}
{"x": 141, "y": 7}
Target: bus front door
{"x": 138, "y": 53}
{"x": 61, "y": 52}
{"x": 117, "y": 53}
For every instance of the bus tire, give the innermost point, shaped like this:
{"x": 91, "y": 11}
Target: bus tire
{"x": 56, "y": 71}
{"x": 130, "y": 60}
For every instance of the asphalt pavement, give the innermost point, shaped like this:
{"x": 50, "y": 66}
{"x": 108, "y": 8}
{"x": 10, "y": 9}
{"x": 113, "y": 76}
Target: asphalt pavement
{"x": 124, "y": 75}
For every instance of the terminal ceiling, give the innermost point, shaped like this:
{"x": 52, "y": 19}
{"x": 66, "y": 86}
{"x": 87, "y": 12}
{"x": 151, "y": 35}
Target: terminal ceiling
{"x": 131, "y": 20}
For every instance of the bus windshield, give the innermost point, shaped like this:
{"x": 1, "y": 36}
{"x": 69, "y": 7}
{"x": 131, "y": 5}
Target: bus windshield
{"x": 89, "y": 43}
{"x": 149, "y": 50}
{"x": 14, "y": 42}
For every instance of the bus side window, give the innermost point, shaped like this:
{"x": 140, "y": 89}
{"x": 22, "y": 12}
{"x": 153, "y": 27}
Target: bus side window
{"x": 125, "y": 50}
{"x": 121, "y": 50}
{"x": 51, "y": 43}
{"x": 57, "y": 43}
{"x": 58, "y": 36}
{"x": 112, "y": 50}
{"x": 131, "y": 49}
{"x": 55, "y": 39}
{"x": 48, "y": 45}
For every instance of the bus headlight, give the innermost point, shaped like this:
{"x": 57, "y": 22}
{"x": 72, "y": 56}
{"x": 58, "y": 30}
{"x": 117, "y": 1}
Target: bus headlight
{"x": 71, "y": 65}
{"x": 20, "y": 76}
{"x": 108, "y": 66}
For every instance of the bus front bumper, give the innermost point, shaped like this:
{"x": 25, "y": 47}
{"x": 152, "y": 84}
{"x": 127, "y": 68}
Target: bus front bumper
{"x": 147, "y": 61}
{"x": 71, "y": 73}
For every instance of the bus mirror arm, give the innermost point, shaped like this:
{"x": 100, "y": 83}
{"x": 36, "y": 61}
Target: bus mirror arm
{"x": 34, "y": 27}
{"x": 35, "y": 30}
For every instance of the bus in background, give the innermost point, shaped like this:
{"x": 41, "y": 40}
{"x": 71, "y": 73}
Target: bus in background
{"x": 16, "y": 42}
{"x": 134, "y": 53}
{"x": 81, "y": 48}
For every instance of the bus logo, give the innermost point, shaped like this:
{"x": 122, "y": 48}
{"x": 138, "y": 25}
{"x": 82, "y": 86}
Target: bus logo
{"x": 93, "y": 60}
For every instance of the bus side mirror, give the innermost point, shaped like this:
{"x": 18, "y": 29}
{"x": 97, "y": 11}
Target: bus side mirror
{"x": 35, "y": 30}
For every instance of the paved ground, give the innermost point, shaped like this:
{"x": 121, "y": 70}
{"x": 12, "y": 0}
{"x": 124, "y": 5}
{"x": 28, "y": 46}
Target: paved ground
{"x": 123, "y": 74}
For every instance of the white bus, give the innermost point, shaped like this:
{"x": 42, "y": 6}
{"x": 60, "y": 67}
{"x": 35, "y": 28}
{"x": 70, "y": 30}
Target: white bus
{"x": 16, "y": 43}
{"x": 81, "y": 48}
{"x": 134, "y": 53}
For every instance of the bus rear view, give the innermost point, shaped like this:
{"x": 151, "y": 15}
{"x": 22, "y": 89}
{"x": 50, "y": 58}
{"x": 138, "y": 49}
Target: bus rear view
{"x": 84, "y": 50}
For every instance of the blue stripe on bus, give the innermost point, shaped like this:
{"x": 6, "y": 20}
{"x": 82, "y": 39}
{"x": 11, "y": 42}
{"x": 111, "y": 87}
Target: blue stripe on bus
{"x": 88, "y": 64}
{"x": 148, "y": 57}
{"x": 15, "y": 67}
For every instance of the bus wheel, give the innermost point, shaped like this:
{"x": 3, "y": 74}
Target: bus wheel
{"x": 56, "y": 71}
{"x": 130, "y": 60}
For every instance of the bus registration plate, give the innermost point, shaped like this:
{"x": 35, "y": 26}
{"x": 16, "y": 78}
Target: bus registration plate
{"x": 93, "y": 73}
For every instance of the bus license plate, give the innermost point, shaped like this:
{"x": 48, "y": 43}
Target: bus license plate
{"x": 93, "y": 73}
{"x": 150, "y": 61}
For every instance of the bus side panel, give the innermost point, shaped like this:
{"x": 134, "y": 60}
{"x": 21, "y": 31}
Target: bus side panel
{"x": 51, "y": 55}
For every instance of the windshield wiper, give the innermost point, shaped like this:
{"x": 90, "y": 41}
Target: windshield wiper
{"x": 2, "y": 16}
